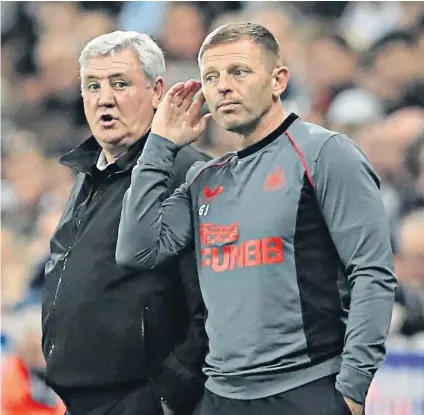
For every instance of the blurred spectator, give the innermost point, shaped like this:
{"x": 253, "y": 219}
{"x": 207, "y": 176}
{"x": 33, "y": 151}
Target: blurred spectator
{"x": 412, "y": 195}
{"x": 23, "y": 387}
{"x": 14, "y": 269}
{"x": 323, "y": 10}
{"x": 29, "y": 177}
{"x": 183, "y": 33}
{"x": 54, "y": 17}
{"x": 93, "y": 24}
{"x": 413, "y": 12}
{"x": 143, "y": 16}
{"x": 410, "y": 258}
{"x": 365, "y": 22}
{"x": 385, "y": 142}
{"x": 419, "y": 44}
{"x": 410, "y": 311}
{"x": 353, "y": 108}
{"x": 330, "y": 68}
{"x": 390, "y": 67}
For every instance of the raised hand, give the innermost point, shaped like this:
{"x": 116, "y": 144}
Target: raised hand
{"x": 355, "y": 408}
{"x": 178, "y": 118}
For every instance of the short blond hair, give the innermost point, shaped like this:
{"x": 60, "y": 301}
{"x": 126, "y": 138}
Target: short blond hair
{"x": 233, "y": 32}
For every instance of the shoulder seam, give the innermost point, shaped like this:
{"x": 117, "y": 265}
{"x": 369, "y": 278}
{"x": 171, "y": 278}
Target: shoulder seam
{"x": 325, "y": 143}
{"x": 208, "y": 166}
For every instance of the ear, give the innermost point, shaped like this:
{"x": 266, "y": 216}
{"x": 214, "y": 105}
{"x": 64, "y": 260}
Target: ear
{"x": 280, "y": 77}
{"x": 158, "y": 92}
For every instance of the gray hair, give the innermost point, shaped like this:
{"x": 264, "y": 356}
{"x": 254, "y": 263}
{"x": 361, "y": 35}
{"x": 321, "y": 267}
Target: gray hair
{"x": 148, "y": 52}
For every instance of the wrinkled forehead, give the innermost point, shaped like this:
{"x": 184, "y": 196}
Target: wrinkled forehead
{"x": 123, "y": 62}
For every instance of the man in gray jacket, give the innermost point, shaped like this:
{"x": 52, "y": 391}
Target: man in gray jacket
{"x": 291, "y": 237}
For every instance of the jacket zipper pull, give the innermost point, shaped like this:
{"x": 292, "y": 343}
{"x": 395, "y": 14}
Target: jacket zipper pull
{"x": 65, "y": 259}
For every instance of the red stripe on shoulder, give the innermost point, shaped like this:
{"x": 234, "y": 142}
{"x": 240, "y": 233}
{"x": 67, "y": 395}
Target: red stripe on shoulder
{"x": 302, "y": 158}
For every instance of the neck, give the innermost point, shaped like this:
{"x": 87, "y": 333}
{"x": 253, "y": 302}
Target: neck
{"x": 114, "y": 152}
{"x": 266, "y": 125}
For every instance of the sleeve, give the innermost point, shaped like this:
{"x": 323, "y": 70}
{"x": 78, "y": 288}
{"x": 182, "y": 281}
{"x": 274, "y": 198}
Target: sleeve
{"x": 348, "y": 194}
{"x": 151, "y": 230}
{"x": 181, "y": 380}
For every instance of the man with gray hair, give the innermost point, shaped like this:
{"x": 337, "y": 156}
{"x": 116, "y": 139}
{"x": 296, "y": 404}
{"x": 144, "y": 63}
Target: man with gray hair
{"x": 118, "y": 340}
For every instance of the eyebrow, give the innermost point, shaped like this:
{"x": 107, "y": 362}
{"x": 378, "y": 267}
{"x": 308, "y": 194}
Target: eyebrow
{"x": 114, "y": 75}
{"x": 230, "y": 67}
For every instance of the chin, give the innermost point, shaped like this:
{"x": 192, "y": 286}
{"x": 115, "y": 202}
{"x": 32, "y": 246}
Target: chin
{"x": 110, "y": 136}
{"x": 228, "y": 124}
{"x": 232, "y": 126}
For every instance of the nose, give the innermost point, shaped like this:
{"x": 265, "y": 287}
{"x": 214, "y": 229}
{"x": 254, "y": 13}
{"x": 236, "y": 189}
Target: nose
{"x": 106, "y": 97}
{"x": 224, "y": 84}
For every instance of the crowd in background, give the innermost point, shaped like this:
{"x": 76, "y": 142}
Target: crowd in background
{"x": 356, "y": 67}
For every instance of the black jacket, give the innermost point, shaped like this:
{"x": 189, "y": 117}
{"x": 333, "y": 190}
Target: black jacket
{"x": 106, "y": 328}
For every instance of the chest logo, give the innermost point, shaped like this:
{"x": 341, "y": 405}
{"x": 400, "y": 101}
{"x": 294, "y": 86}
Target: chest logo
{"x": 275, "y": 180}
{"x": 222, "y": 250}
{"x": 212, "y": 194}
{"x": 209, "y": 197}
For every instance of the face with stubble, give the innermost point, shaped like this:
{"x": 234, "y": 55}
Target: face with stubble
{"x": 241, "y": 83}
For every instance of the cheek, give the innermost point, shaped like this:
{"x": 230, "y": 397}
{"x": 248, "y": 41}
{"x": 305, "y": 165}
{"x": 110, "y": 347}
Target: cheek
{"x": 136, "y": 109}
{"x": 256, "y": 94}
{"x": 210, "y": 97}
{"x": 89, "y": 108}
{"x": 267, "y": 91}
{"x": 144, "y": 106}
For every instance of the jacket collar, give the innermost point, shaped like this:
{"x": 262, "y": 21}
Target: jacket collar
{"x": 84, "y": 157}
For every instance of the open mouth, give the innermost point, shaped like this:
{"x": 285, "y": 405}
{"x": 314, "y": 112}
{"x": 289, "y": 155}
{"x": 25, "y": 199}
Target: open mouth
{"x": 107, "y": 120}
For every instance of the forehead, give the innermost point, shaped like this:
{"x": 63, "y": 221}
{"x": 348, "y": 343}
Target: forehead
{"x": 241, "y": 51}
{"x": 123, "y": 61}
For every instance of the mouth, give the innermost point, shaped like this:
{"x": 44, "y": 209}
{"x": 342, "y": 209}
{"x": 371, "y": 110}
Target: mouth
{"x": 227, "y": 105}
{"x": 107, "y": 120}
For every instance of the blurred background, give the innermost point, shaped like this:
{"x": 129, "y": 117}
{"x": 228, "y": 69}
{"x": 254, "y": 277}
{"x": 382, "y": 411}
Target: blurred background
{"x": 356, "y": 67}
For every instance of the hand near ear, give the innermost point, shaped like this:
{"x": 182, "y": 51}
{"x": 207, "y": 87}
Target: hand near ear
{"x": 178, "y": 118}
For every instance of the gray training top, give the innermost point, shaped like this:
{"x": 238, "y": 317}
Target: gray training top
{"x": 293, "y": 252}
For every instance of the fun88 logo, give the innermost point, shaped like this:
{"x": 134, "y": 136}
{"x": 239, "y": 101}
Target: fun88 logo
{"x": 398, "y": 387}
